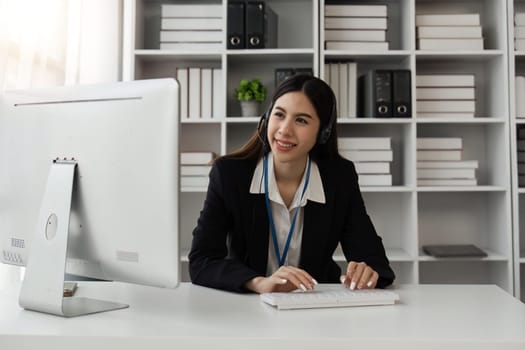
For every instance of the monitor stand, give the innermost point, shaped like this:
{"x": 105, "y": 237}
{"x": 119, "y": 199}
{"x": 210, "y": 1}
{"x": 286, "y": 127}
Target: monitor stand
{"x": 43, "y": 286}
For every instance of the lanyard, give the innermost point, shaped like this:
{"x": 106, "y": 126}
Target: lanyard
{"x": 281, "y": 259}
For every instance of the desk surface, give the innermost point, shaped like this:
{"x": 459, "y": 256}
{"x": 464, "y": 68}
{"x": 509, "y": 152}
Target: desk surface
{"x": 429, "y": 316}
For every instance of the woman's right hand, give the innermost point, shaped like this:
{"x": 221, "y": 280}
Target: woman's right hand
{"x": 286, "y": 279}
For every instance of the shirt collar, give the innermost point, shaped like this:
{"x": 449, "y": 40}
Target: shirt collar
{"x": 314, "y": 192}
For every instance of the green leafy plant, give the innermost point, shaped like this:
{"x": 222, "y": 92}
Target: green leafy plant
{"x": 249, "y": 90}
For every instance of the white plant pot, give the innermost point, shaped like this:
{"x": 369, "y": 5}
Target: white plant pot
{"x": 250, "y": 108}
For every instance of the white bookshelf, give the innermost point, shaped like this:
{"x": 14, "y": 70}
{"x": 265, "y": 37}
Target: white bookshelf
{"x": 516, "y": 67}
{"x": 407, "y": 216}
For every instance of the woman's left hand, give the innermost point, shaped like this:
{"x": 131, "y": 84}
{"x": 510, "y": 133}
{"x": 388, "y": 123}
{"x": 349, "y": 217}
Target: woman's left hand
{"x": 360, "y": 275}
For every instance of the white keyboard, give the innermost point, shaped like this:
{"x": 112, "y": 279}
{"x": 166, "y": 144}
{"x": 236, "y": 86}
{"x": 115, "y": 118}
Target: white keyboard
{"x": 330, "y": 297}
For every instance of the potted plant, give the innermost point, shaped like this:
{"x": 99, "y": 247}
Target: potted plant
{"x": 250, "y": 93}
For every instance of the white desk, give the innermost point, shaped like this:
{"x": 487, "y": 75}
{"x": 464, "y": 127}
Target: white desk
{"x": 192, "y": 317}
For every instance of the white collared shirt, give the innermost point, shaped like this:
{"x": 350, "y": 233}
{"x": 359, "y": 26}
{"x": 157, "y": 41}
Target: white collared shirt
{"x": 282, "y": 216}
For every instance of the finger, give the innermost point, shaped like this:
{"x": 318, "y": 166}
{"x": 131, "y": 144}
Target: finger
{"x": 365, "y": 278}
{"x": 292, "y": 276}
{"x": 350, "y": 270}
{"x": 373, "y": 281}
{"x": 306, "y": 279}
{"x": 356, "y": 276}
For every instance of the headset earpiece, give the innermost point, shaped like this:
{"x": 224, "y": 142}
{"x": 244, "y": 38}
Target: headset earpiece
{"x": 324, "y": 134}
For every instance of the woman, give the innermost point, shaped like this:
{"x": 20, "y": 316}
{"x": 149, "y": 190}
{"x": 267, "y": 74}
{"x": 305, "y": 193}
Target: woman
{"x": 277, "y": 208}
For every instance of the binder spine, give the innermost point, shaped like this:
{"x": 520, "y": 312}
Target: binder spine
{"x": 401, "y": 94}
{"x": 235, "y": 25}
{"x": 382, "y": 86}
{"x": 254, "y": 26}
{"x": 376, "y": 94}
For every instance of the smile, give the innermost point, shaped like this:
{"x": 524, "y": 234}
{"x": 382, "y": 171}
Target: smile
{"x": 285, "y": 144}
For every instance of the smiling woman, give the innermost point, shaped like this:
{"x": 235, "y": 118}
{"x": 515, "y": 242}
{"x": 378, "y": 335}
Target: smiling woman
{"x": 277, "y": 208}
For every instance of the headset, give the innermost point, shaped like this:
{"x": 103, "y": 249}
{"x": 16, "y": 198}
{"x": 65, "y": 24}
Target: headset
{"x": 322, "y": 137}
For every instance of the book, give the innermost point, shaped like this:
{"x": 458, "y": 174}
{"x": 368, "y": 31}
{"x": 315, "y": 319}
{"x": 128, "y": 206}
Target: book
{"x": 453, "y": 115}
{"x": 453, "y": 250}
{"x": 195, "y": 170}
{"x": 196, "y": 158}
{"x": 457, "y": 32}
{"x": 367, "y": 155}
{"x": 519, "y": 88}
{"x": 521, "y": 157}
{"x": 521, "y": 145}
{"x": 208, "y": 46}
{"x": 194, "y": 181}
{"x": 334, "y": 84}
{"x": 357, "y": 45}
{"x": 441, "y": 173}
{"x": 372, "y": 167}
{"x": 375, "y": 180}
{"x": 446, "y": 93}
{"x": 519, "y": 44}
{"x": 456, "y": 164}
{"x": 447, "y": 182}
{"x": 354, "y": 35}
{"x": 191, "y": 36}
{"x": 438, "y": 155}
{"x": 206, "y": 93}
{"x": 445, "y": 80}
{"x": 182, "y": 78}
{"x": 364, "y": 143}
{"x": 191, "y": 24}
{"x": 355, "y": 10}
{"x": 450, "y": 44}
{"x": 186, "y": 10}
{"x": 521, "y": 168}
{"x": 439, "y": 143}
{"x": 343, "y": 90}
{"x": 521, "y": 132}
{"x": 217, "y": 101}
{"x": 466, "y": 19}
{"x": 377, "y": 23}
{"x": 519, "y": 32}
{"x": 194, "y": 93}
{"x": 352, "y": 89}
{"x": 446, "y": 106}
{"x": 519, "y": 18}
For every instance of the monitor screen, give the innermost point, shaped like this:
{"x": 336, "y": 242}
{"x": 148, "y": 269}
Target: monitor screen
{"x": 123, "y": 141}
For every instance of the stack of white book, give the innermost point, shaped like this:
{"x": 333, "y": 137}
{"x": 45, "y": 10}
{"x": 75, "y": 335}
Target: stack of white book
{"x": 445, "y": 95}
{"x": 356, "y": 27}
{"x": 191, "y": 27}
{"x": 521, "y": 157}
{"x": 194, "y": 170}
{"x": 519, "y": 89}
{"x": 342, "y": 78}
{"x": 371, "y": 156}
{"x": 449, "y": 32}
{"x": 519, "y": 31}
{"x": 439, "y": 163}
{"x": 200, "y": 93}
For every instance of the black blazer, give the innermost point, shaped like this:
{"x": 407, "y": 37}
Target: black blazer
{"x": 230, "y": 242}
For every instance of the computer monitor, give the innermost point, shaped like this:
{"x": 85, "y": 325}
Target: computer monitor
{"x": 90, "y": 173}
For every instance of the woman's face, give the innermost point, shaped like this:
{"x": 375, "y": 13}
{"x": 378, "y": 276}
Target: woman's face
{"x": 292, "y": 127}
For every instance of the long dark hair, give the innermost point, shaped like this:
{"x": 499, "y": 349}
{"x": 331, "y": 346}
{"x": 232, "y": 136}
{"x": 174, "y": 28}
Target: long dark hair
{"x": 322, "y": 98}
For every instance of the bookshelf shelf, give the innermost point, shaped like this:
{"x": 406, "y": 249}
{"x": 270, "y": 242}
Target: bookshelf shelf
{"x": 476, "y": 120}
{"x": 406, "y": 215}
{"x": 393, "y": 189}
{"x": 461, "y": 189}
